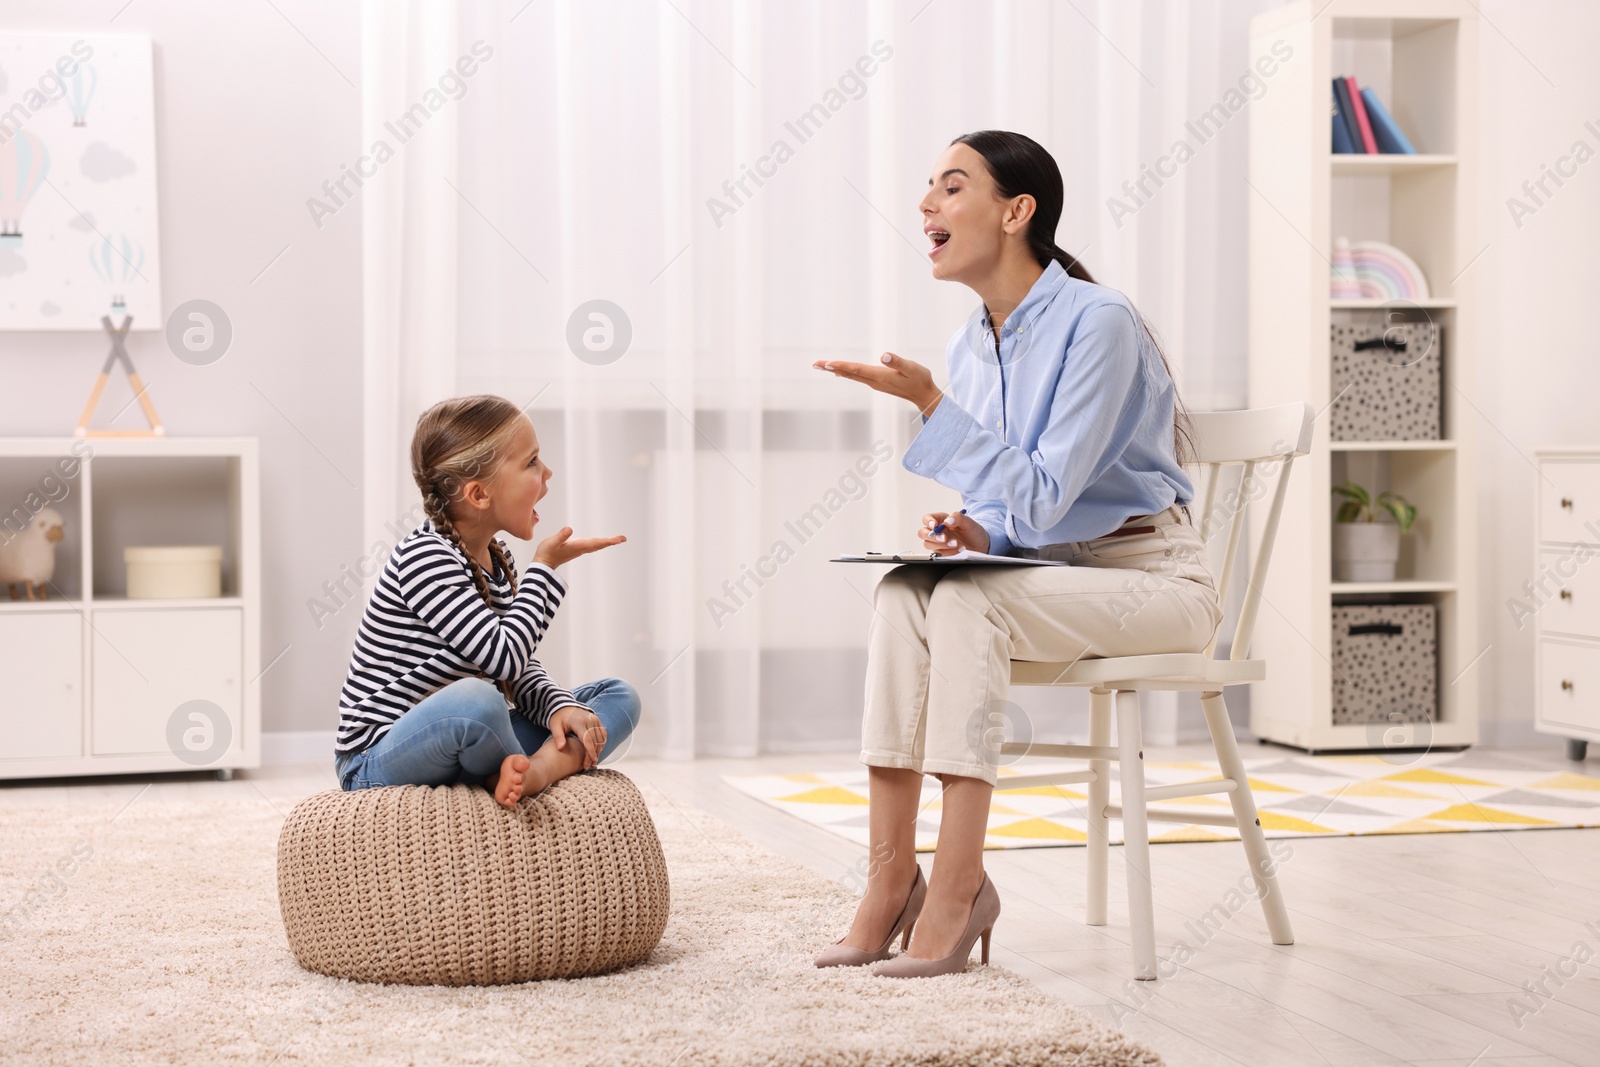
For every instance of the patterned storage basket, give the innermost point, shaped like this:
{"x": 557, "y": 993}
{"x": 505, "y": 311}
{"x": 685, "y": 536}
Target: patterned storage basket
{"x": 441, "y": 885}
{"x": 1384, "y": 663}
{"x": 1386, "y": 381}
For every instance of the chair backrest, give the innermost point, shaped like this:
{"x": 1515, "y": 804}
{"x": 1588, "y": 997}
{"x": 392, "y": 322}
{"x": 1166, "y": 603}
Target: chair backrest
{"x": 1262, "y": 442}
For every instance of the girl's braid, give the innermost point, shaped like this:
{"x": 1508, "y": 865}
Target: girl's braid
{"x": 437, "y": 507}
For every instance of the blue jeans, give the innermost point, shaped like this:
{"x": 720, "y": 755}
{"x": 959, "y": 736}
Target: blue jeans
{"x": 462, "y": 733}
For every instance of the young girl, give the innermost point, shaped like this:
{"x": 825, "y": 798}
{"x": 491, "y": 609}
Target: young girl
{"x": 444, "y": 654}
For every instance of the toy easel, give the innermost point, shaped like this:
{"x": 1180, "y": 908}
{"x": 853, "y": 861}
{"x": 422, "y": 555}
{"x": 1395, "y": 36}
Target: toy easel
{"x": 119, "y": 354}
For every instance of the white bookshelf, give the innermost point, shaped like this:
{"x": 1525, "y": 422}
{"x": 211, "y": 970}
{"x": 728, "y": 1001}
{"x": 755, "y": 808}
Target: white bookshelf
{"x": 1420, "y": 57}
{"x": 95, "y": 680}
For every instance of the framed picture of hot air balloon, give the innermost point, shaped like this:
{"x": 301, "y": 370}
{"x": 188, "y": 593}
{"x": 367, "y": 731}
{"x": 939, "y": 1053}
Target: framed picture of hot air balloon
{"x": 78, "y": 225}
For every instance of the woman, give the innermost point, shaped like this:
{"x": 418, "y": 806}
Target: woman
{"x": 1061, "y": 434}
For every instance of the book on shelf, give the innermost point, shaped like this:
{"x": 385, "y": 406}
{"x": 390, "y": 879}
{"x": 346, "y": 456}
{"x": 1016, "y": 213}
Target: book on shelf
{"x": 1369, "y": 144}
{"x": 1341, "y": 135}
{"x": 1362, "y": 125}
{"x": 1384, "y": 129}
{"x": 1342, "y": 92}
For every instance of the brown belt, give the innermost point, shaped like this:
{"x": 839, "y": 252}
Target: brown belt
{"x": 1126, "y": 530}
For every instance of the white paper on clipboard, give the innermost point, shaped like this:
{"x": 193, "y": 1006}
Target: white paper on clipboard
{"x": 964, "y": 556}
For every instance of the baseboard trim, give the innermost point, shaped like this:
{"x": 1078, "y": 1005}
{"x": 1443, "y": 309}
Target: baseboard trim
{"x": 1513, "y": 733}
{"x": 297, "y": 746}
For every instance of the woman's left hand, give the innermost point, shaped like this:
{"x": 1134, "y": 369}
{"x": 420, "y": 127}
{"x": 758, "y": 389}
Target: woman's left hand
{"x": 903, "y": 378}
{"x": 586, "y": 724}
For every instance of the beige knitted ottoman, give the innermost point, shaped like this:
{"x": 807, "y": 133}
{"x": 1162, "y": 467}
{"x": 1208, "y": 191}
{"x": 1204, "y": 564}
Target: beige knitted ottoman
{"x": 440, "y": 885}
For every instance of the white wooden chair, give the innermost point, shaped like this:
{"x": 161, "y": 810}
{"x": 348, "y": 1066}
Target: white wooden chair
{"x": 1263, "y": 442}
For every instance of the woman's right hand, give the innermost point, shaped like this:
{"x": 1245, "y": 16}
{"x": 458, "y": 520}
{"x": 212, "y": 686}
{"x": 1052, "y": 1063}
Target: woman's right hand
{"x": 562, "y": 547}
{"x": 960, "y": 531}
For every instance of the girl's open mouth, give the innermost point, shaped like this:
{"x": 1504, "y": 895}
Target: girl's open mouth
{"x": 940, "y": 238}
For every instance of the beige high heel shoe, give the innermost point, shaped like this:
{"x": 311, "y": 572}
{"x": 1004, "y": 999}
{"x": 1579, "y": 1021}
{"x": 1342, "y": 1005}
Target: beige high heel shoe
{"x": 841, "y": 955}
{"x": 985, "y": 910}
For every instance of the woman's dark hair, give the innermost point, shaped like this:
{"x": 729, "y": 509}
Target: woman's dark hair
{"x": 1021, "y": 166}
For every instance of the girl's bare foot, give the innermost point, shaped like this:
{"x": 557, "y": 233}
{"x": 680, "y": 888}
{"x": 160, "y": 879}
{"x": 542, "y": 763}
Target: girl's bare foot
{"x": 551, "y": 764}
{"x": 509, "y": 783}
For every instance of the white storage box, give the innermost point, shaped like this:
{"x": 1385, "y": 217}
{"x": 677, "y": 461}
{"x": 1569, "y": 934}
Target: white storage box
{"x": 167, "y": 572}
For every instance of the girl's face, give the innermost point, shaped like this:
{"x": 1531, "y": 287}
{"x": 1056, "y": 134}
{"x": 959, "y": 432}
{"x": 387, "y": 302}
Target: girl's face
{"x": 519, "y": 483}
{"x": 963, "y": 217}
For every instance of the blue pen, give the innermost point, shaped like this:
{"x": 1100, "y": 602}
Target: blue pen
{"x": 939, "y": 529}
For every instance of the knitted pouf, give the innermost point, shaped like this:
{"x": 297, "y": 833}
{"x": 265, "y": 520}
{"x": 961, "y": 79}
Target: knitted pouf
{"x": 441, "y": 885}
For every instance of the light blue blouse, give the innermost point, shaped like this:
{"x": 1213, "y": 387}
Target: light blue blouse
{"x": 1064, "y": 431}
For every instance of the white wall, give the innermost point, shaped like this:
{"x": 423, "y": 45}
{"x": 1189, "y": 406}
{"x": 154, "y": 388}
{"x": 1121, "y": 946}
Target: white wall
{"x": 250, "y": 121}
{"x": 1538, "y": 282}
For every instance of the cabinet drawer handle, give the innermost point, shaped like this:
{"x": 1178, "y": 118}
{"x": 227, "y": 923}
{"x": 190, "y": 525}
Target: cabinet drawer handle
{"x": 1566, "y": 684}
{"x": 1566, "y": 594}
{"x": 1566, "y": 502}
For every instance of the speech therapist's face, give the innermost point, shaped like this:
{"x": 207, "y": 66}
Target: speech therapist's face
{"x": 962, "y": 216}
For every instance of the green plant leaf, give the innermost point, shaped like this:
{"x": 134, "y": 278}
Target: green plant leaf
{"x": 1350, "y": 489}
{"x": 1405, "y": 514}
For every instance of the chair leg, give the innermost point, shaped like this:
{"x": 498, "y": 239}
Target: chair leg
{"x": 1101, "y": 705}
{"x": 1136, "y": 836}
{"x": 1262, "y": 866}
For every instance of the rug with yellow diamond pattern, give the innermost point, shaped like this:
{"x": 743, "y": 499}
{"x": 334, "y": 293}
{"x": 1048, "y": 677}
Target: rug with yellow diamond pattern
{"x": 1298, "y": 796}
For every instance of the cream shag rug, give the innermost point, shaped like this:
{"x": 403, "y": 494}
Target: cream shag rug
{"x": 151, "y": 933}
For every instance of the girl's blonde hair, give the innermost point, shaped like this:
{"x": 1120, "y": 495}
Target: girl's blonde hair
{"x": 456, "y": 441}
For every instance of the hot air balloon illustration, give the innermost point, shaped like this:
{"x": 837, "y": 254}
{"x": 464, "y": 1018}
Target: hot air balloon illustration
{"x": 24, "y": 162}
{"x": 116, "y": 258}
{"x": 80, "y": 90}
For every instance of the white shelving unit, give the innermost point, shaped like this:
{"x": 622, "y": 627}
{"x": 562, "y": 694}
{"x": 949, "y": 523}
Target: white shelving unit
{"x": 97, "y": 683}
{"x": 1420, "y": 57}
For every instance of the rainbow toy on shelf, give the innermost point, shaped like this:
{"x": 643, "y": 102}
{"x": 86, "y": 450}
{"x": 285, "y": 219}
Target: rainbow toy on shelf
{"x": 1373, "y": 270}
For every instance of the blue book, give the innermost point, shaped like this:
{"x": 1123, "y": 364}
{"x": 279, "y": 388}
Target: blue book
{"x": 1384, "y": 129}
{"x": 1341, "y": 134}
{"x": 1342, "y": 92}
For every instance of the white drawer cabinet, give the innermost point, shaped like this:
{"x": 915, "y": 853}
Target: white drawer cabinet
{"x": 1564, "y": 597}
{"x": 95, "y": 682}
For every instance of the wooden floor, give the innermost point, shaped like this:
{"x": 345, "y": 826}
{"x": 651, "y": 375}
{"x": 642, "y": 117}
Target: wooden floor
{"x": 1437, "y": 949}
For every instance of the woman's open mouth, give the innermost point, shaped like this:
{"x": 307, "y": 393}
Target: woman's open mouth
{"x": 939, "y": 239}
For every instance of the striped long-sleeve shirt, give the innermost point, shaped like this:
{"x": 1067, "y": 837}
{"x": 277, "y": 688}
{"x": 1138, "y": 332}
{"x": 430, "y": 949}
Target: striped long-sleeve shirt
{"x": 426, "y": 625}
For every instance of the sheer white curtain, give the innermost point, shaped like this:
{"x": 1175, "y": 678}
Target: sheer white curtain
{"x": 738, "y": 182}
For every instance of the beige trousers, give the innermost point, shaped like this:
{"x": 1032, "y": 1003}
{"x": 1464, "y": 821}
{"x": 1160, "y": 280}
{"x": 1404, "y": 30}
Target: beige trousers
{"x": 943, "y": 637}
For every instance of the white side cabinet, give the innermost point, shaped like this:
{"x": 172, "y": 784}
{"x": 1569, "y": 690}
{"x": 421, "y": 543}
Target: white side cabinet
{"x": 97, "y": 683}
{"x": 1564, "y": 597}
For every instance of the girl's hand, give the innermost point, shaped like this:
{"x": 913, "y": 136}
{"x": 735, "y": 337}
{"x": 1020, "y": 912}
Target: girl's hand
{"x": 904, "y": 378}
{"x": 586, "y": 724}
{"x": 560, "y": 547}
{"x": 960, "y": 531}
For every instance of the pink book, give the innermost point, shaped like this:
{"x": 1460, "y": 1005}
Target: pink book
{"x": 1369, "y": 144}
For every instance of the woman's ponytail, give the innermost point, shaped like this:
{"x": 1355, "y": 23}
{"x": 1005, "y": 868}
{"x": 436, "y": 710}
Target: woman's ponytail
{"x": 1069, "y": 263}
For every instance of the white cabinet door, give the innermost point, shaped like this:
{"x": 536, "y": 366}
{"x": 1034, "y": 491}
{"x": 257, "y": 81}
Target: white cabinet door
{"x": 167, "y": 680}
{"x": 41, "y": 703}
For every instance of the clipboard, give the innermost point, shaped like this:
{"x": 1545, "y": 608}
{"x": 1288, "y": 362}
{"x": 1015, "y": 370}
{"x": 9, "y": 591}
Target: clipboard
{"x": 965, "y": 557}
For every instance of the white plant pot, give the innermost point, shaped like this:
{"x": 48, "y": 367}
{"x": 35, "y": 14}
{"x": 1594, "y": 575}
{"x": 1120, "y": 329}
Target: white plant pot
{"x": 1365, "y": 551}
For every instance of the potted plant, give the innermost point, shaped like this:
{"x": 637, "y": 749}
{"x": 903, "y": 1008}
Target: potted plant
{"x": 1366, "y": 548}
